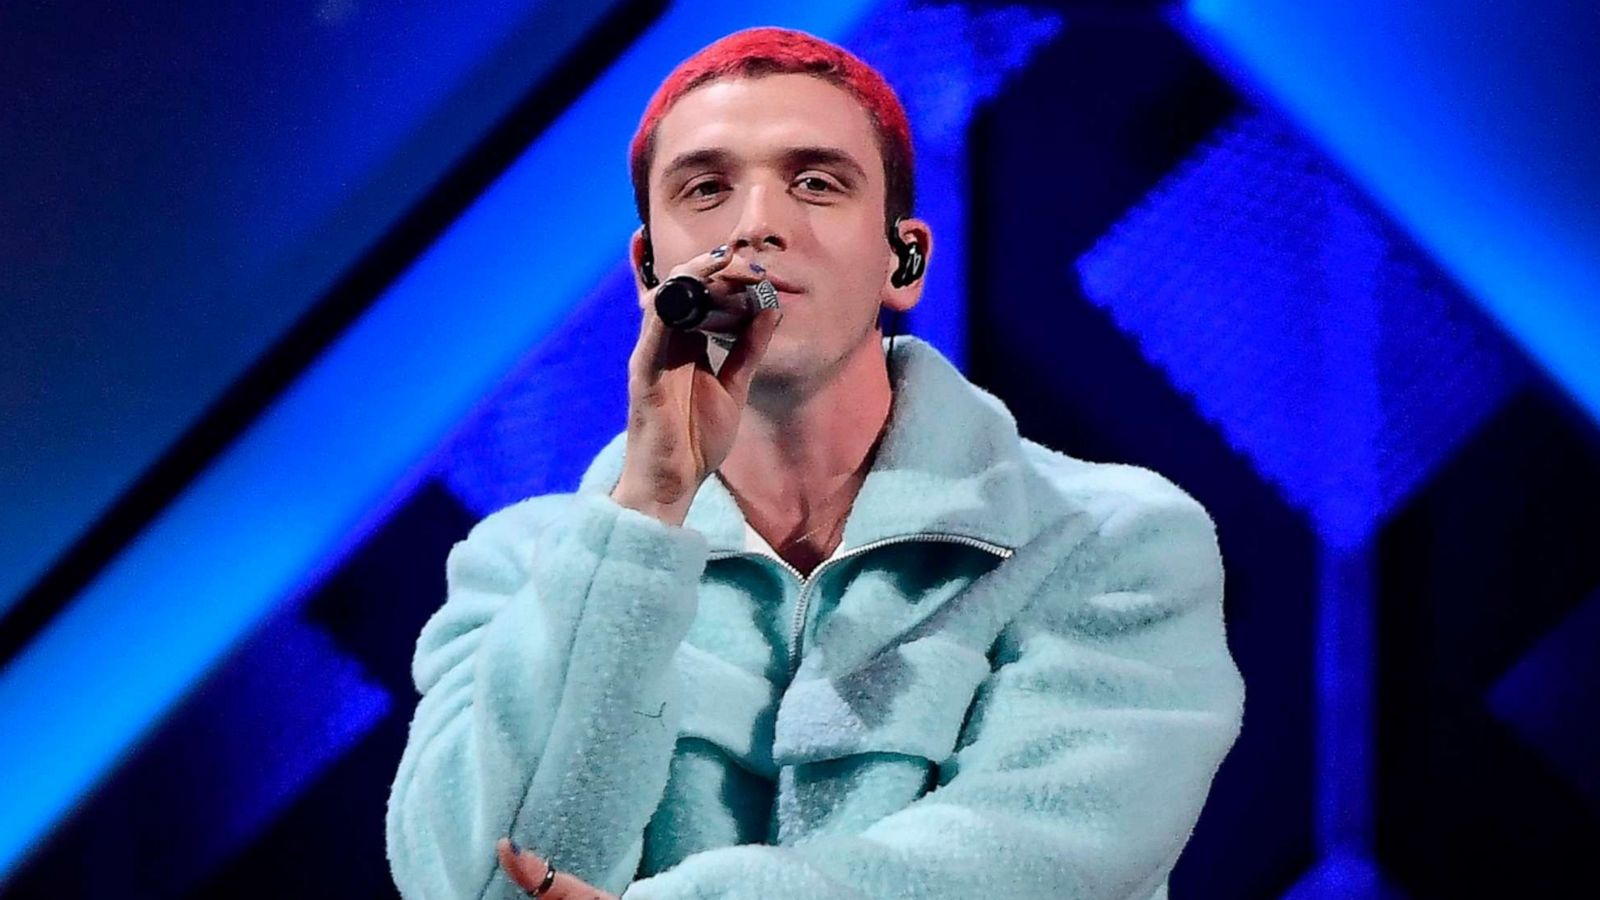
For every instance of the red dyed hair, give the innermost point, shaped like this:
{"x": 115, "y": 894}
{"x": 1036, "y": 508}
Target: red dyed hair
{"x": 755, "y": 52}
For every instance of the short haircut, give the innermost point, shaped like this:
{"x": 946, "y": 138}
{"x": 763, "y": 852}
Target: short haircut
{"x": 755, "y": 52}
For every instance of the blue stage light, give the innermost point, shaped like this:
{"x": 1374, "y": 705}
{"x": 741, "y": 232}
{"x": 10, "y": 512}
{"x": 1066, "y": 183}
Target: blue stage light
{"x": 349, "y": 439}
{"x": 1471, "y": 123}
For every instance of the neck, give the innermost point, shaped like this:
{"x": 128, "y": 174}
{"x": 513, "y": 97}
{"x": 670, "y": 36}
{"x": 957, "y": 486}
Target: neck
{"x": 800, "y": 447}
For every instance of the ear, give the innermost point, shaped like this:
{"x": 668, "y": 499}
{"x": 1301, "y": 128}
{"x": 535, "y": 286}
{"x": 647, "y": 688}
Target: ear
{"x": 901, "y": 299}
{"x": 638, "y": 253}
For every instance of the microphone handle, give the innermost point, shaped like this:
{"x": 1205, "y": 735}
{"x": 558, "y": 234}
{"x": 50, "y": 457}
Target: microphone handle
{"x": 685, "y": 303}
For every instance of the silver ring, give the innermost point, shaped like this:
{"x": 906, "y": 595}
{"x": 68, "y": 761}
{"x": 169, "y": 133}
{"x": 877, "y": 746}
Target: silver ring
{"x": 548, "y": 882}
{"x": 764, "y": 294}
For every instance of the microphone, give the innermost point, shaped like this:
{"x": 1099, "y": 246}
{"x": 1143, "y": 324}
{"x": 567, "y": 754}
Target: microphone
{"x": 686, "y": 303}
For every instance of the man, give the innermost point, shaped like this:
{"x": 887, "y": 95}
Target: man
{"x": 819, "y": 623}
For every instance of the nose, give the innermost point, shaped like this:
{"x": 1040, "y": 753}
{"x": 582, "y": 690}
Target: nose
{"x": 758, "y": 227}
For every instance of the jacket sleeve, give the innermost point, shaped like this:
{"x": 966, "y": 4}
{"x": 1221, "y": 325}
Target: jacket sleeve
{"x": 1086, "y": 756}
{"x": 548, "y": 709}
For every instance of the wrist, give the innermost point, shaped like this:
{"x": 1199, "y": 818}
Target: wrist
{"x": 669, "y": 512}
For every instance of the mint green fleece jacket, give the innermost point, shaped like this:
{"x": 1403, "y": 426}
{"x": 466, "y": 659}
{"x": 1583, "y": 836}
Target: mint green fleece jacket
{"x": 1011, "y": 680}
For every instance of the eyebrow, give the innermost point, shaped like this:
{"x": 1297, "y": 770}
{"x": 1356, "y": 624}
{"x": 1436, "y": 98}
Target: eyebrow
{"x": 794, "y": 156}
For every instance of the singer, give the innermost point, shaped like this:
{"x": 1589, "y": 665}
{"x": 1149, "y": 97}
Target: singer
{"x": 819, "y": 623}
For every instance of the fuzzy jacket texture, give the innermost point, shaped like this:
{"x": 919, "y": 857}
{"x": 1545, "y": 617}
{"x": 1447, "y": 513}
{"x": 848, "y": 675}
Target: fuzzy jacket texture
{"x": 1011, "y": 681}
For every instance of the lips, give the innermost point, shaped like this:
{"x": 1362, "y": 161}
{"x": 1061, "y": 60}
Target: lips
{"x": 782, "y": 285}
{"x": 757, "y": 270}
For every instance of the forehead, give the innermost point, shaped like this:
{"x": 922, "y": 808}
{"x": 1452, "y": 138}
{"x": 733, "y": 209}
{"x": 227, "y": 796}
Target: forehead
{"x": 762, "y": 116}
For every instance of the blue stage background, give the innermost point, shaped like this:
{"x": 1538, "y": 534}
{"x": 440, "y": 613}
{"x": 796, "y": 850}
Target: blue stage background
{"x": 297, "y": 294}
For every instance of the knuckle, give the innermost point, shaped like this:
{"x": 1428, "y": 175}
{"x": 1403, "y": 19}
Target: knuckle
{"x": 654, "y": 397}
{"x": 667, "y": 485}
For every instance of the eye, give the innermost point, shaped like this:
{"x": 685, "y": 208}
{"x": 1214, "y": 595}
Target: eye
{"x": 696, "y": 191}
{"x": 815, "y": 183}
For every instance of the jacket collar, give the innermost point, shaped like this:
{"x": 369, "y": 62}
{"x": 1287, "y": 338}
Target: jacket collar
{"x": 951, "y": 463}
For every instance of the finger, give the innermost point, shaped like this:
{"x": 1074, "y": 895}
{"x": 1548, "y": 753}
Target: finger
{"x": 703, "y": 267}
{"x": 706, "y": 264}
{"x": 642, "y": 363}
{"x": 661, "y": 348}
{"x": 527, "y": 870}
{"x": 740, "y": 366}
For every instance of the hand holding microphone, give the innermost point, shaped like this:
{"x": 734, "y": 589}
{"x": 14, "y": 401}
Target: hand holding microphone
{"x": 683, "y": 415}
{"x": 686, "y": 303}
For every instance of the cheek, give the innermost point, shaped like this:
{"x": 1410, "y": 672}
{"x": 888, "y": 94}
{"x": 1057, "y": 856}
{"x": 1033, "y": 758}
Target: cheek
{"x": 857, "y": 254}
{"x": 680, "y": 240}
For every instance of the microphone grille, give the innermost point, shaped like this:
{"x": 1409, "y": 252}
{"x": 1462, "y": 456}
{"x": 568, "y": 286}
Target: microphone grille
{"x": 682, "y": 302}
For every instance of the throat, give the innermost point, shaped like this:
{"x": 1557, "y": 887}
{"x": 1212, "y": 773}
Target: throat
{"x": 805, "y": 541}
{"x": 806, "y": 554}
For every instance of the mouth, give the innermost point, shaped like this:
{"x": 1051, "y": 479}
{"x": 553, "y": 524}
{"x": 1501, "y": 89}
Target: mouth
{"x": 784, "y": 287}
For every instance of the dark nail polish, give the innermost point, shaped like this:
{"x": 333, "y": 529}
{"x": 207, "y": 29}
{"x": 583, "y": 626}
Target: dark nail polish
{"x": 720, "y": 252}
{"x": 515, "y": 850}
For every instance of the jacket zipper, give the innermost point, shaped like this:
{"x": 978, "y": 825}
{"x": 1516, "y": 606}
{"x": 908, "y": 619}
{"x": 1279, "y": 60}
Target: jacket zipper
{"x": 802, "y": 604}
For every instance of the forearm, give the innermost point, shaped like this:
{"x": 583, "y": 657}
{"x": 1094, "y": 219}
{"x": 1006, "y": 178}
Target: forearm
{"x": 551, "y": 720}
{"x": 605, "y": 763}
{"x": 1105, "y": 824}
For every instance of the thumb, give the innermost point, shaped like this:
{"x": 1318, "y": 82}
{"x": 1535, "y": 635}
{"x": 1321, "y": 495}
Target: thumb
{"x": 740, "y": 366}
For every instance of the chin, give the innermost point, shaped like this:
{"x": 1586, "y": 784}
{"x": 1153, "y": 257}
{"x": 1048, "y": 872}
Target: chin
{"x": 780, "y": 363}
{"x": 788, "y": 363}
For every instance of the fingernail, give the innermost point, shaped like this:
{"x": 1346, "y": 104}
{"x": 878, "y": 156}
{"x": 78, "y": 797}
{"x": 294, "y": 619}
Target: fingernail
{"x": 515, "y": 850}
{"x": 758, "y": 268}
{"x": 720, "y": 252}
